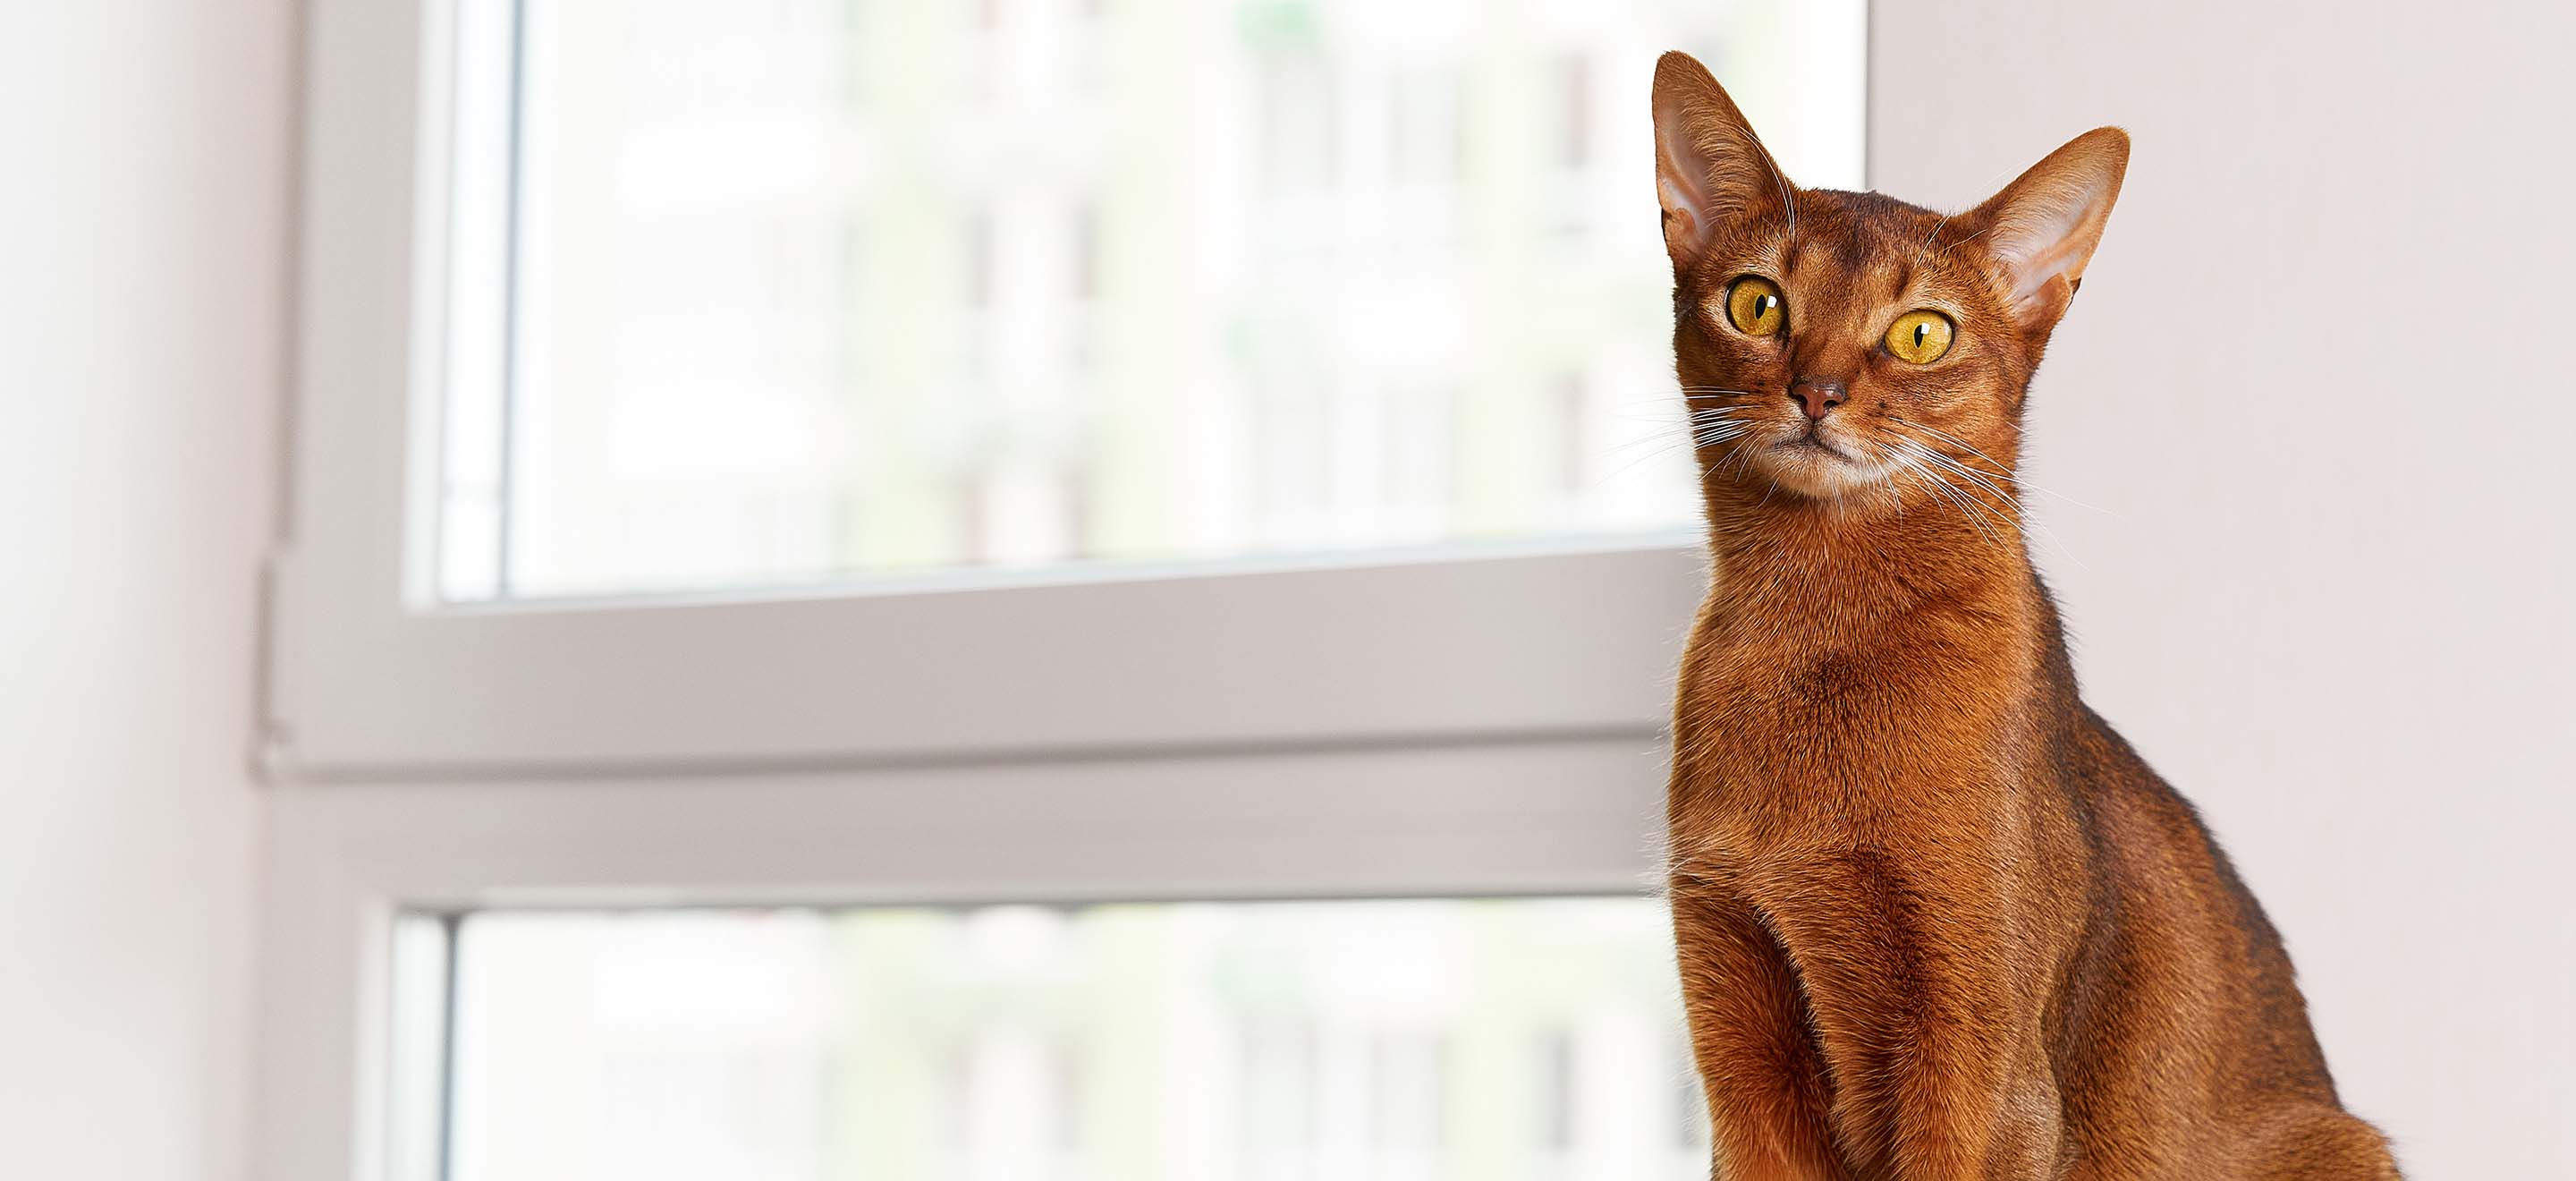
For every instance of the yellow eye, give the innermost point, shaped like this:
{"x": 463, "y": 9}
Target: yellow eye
{"x": 1920, "y": 337}
{"x": 1754, "y": 305}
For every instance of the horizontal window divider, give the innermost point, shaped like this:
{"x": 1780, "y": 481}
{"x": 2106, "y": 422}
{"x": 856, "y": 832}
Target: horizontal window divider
{"x": 285, "y": 771}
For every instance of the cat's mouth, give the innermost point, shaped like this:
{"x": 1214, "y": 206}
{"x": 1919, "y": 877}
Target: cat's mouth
{"x": 1814, "y": 441}
{"x": 1810, "y": 461}
{"x": 1810, "y": 443}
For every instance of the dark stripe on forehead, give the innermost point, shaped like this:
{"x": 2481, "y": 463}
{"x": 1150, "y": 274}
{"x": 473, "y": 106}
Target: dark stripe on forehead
{"x": 1851, "y": 245}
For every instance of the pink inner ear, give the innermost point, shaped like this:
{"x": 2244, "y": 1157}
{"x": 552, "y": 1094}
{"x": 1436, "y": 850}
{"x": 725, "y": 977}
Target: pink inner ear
{"x": 1709, "y": 165}
{"x": 1685, "y": 225}
{"x": 2043, "y": 237}
{"x": 1681, "y": 179}
{"x": 2043, "y": 227}
{"x": 2035, "y": 273}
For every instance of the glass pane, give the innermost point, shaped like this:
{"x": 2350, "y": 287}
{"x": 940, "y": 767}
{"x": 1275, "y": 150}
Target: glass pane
{"x": 1490, "y": 1039}
{"x": 778, "y": 291}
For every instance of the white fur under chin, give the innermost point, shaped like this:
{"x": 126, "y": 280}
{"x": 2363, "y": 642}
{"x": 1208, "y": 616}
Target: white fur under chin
{"x": 1818, "y": 474}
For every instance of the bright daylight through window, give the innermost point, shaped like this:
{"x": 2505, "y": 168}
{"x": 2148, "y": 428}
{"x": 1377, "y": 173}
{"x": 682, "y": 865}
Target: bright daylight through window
{"x": 1389, "y": 1039}
{"x": 779, "y": 292}
{"x": 804, "y": 294}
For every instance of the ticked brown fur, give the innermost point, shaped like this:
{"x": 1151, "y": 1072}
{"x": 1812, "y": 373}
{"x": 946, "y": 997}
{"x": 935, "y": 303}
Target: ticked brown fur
{"x": 1936, "y": 920}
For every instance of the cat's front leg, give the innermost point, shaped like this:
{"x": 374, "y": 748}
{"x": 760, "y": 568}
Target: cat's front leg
{"x": 1752, "y": 1041}
{"x": 1933, "y": 1048}
{"x": 1938, "y": 1098}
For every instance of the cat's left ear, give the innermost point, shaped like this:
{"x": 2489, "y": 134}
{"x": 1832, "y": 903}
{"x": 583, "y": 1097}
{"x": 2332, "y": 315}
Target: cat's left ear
{"x": 2043, "y": 227}
{"x": 1709, "y": 166}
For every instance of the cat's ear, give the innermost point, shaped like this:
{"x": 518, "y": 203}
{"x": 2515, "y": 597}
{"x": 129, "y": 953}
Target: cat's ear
{"x": 2043, "y": 227}
{"x": 1709, "y": 167}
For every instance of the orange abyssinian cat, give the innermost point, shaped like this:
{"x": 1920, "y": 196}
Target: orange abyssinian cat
{"x": 1936, "y": 920}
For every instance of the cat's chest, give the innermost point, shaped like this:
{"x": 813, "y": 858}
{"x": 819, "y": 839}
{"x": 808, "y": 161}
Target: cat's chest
{"x": 1858, "y": 702}
{"x": 1826, "y": 737}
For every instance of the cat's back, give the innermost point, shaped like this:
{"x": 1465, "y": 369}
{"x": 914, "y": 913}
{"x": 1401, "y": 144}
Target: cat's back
{"x": 2181, "y": 1010}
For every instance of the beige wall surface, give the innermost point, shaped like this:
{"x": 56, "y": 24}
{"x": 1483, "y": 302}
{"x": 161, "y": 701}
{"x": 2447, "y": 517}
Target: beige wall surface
{"x": 2319, "y": 381}
{"x": 143, "y": 223}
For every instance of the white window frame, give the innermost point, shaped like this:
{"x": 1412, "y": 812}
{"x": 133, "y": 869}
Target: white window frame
{"x": 1462, "y": 723}
{"x": 343, "y": 862}
{"x": 373, "y": 677}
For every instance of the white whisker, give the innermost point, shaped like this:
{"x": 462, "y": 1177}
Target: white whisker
{"x": 1985, "y": 481}
{"x": 2003, "y": 471}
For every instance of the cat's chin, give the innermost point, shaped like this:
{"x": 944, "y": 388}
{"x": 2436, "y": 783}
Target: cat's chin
{"x": 1819, "y": 469}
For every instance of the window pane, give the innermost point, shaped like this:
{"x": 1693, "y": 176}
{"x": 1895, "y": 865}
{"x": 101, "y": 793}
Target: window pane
{"x": 777, "y": 291}
{"x": 1493, "y": 1038}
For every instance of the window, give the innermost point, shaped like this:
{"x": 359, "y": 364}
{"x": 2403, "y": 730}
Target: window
{"x": 818, "y": 381}
{"x": 773, "y": 294}
{"x": 1213, "y": 1040}
{"x": 779, "y": 486}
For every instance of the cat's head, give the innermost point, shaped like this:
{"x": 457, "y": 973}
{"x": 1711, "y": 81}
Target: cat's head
{"x": 1848, "y": 347}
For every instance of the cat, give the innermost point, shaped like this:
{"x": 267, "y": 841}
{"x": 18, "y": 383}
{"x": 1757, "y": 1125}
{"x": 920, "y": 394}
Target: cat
{"x": 1935, "y": 919}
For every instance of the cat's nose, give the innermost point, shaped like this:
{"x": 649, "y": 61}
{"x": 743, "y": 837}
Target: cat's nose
{"x": 1816, "y": 395}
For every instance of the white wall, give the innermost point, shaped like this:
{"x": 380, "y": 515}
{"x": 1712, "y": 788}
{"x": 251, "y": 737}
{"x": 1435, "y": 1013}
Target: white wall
{"x": 2320, "y": 376}
{"x": 143, "y": 225}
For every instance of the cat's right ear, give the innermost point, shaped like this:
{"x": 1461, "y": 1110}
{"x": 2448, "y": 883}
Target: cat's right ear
{"x": 1709, "y": 166}
{"x": 2043, "y": 227}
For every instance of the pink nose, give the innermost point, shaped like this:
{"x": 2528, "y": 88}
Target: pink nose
{"x": 1816, "y": 395}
